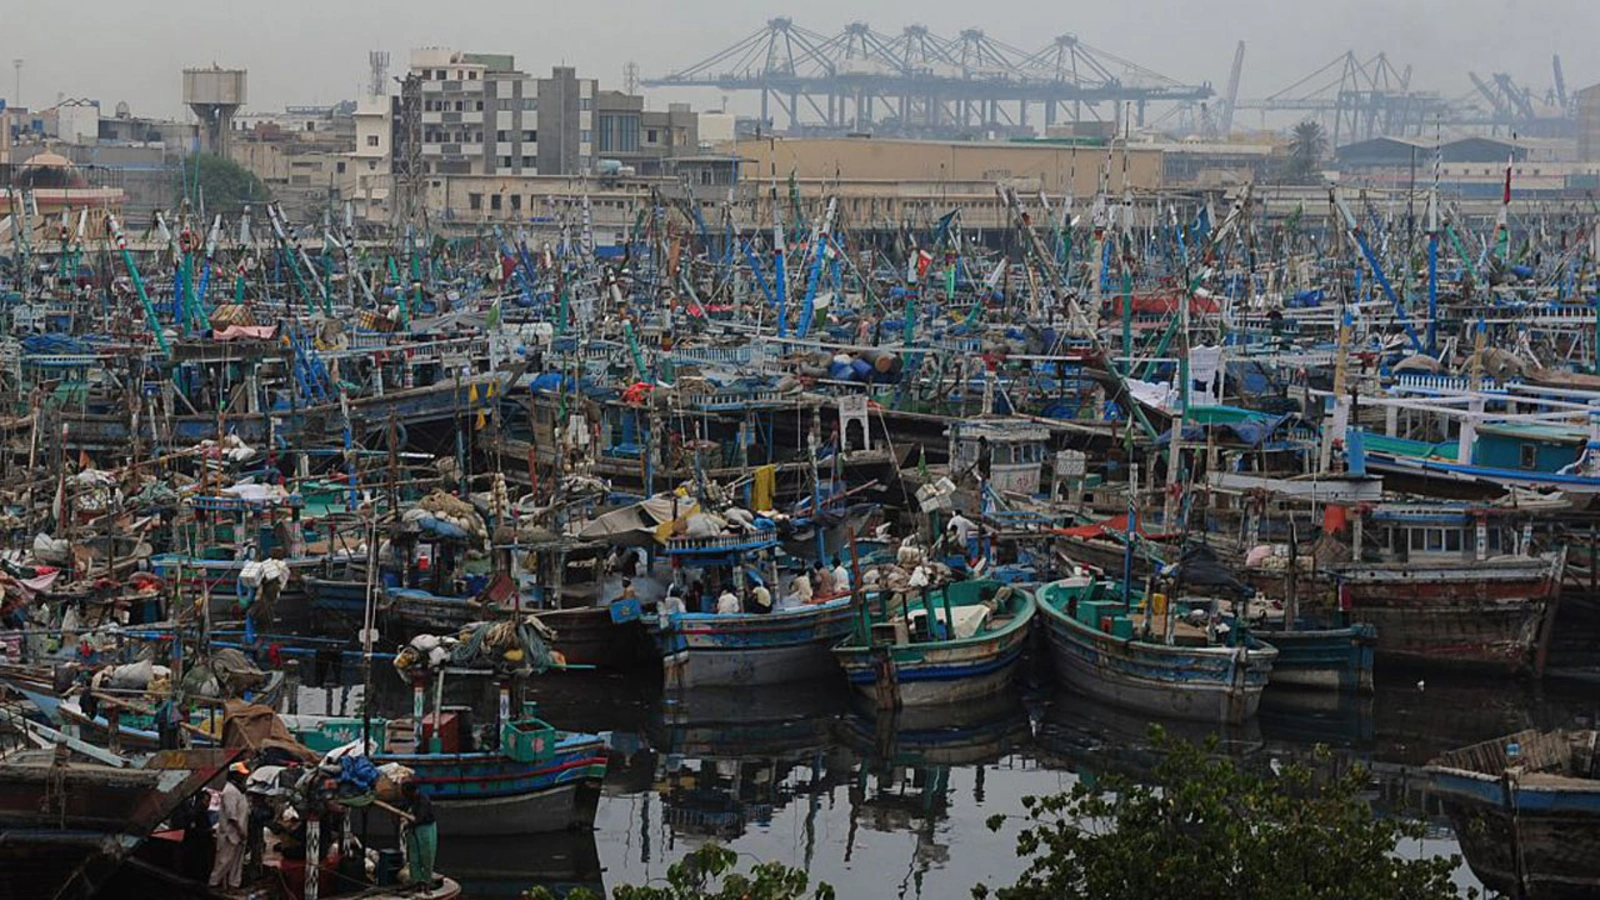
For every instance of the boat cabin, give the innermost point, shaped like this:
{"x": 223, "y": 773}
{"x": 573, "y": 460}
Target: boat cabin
{"x": 1445, "y": 533}
{"x": 1531, "y": 447}
{"x": 1008, "y": 454}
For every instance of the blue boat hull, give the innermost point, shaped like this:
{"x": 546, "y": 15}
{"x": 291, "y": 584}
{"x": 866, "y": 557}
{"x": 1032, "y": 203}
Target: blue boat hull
{"x": 1212, "y": 683}
{"x": 748, "y": 648}
{"x": 488, "y": 793}
{"x": 1329, "y": 659}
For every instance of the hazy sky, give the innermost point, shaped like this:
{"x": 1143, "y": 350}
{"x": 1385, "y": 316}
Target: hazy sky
{"x": 315, "y": 51}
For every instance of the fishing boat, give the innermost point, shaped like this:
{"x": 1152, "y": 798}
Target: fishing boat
{"x": 1454, "y": 587}
{"x": 962, "y": 644}
{"x": 720, "y": 649}
{"x": 1094, "y": 650}
{"x": 538, "y": 780}
{"x": 1322, "y": 658}
{"x": 751, "y": 648}
{"x": 1526, "y": 809}
{"x": 67, "y": 825}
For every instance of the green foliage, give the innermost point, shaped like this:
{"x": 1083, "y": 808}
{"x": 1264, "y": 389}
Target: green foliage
{"x": 1306, "y": 150}
{"x": 1206, "y": 829}
{"x": 708, "y": 874}
{"x": 226, "y": 185}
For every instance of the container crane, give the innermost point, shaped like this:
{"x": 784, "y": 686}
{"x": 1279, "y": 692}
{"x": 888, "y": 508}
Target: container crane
{"x": 1232, "y": 99}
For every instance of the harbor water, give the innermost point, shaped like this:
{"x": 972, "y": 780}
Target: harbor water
{"x": 809, "y": 776}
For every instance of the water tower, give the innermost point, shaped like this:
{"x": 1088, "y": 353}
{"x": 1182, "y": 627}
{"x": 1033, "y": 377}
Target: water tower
{"x": 214, "y": 94}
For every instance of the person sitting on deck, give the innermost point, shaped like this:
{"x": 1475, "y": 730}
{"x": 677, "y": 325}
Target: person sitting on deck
{"x": 728, "y": 603}
{"x": 801, "y": 585}
{"x": 761, "y": 599}
{"x": 823, "y": 579}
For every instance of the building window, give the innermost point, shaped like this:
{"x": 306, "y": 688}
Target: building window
{"x": 372, "y": 165}
{"x": 607, "y": 125}
{"x": 458, "y": 106}
{"x": 439, "y": 75}
{"x": 530, "y": 103}
{"x": 479, "y": 106}
{"x": 529, "y": 137}
{"x": 494, "y": 201}
{"x": 650, "y": 136}
{"x": 339, "y": 168}
{"x": 516, "y": 202}
{"x": 585, "y": 103}
{"x": 372, "y": 140}
{"x": 529, "y": 162}
{"x": 505, "y": 162}
{"x": 500, "y": 136}
{"x": 474, "y": 201}
{"x": 472, "y": 76}
{"x": 628, "y": 138}
{"x": 585, "y": 136}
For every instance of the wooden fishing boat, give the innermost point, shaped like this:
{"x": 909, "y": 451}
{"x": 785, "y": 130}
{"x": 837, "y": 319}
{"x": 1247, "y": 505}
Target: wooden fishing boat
{"x": 1323, "y": 658}
{"x": 1094, "y": 650}
{"x": 751, "y": 648}
{"x": 66, "y": 826}
{"x": 1492, "y": 614}
{"x": 539, "y": 780}
{"x": 962, "y": 644}
{"x": 592, "y": 636}
{"x": 1526, "y": 809}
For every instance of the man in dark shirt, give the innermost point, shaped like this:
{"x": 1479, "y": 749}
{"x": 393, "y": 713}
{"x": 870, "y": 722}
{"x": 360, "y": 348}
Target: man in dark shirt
{"x": 422, "y": 833}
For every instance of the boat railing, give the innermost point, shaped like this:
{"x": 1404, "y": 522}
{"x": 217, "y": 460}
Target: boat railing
{"x": 713, "y": 355}
{"x": 1451, "y": 384}
{"x": 735, "y": 399}
{"x": 61, "y": 360}
{"x": 723, "y": 543}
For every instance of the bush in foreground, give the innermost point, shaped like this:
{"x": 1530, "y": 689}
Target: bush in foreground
{"x": 1206, "y": 829}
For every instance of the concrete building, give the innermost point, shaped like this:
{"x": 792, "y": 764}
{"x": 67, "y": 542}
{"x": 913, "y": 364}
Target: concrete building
{"x": 566, "y": 122}
{"x": 479, "y": 113}
{"x": 302, "y": 156}
{"x": 1588, "y": 105}
{"x": 633, "y": 137}
{"x": 922, "y": 166}
{"x": 369, "y": 168}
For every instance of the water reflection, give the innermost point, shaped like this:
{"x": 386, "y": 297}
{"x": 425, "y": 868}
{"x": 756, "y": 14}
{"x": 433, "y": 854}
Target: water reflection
{"x": 881, "y": 804}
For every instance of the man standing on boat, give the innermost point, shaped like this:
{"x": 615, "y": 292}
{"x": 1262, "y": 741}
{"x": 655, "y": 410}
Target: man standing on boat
{"x": 961, "y": 529}
{"x": 227, "y": 868}
{"x": 841, "y": 576}
{"x": 422, "y": 833}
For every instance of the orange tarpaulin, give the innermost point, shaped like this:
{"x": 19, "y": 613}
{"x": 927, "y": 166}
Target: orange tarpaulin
{"x": 1116, "y": 525}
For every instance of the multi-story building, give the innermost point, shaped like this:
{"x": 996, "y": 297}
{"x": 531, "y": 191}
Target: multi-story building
{"x": 368, "y": 170}
{"x": 566, "y": 122}
{"x": 479, "y": 114}
{"x": 1588, "y": 104}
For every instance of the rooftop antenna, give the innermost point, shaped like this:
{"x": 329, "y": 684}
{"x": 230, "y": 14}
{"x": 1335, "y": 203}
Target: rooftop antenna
{"x": 378, "y": 60}
{"x": 630, "y": 78}
{"x": 16, "y": 95}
